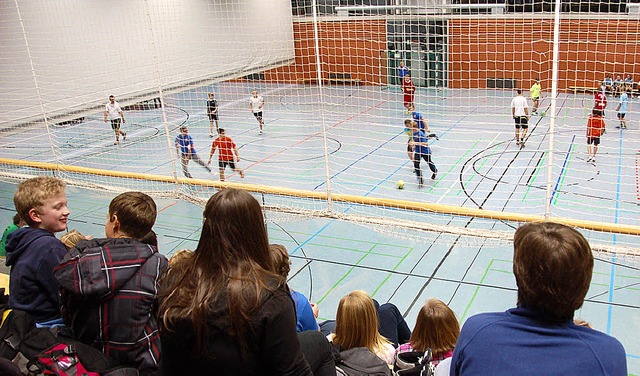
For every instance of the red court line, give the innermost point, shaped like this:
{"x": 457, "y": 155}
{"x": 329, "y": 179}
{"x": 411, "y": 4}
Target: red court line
{"x": 167, "y": 207}
{"x": 315, "y": 134}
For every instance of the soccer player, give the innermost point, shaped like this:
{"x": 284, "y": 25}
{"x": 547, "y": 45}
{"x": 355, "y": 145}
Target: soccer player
{"x": 256, "y": 102}
{"x": 622, "y": 109}
{"x": 601, "y": 101}
{"x": 113, "y": 111}
{"x": 421, "y": 150}
{"x": 535, "y": 95}
{"x": 417, "y": 117}
{"x": 595, "y": 128}
{"x": 212, "y": 112}
{"x": 226, "y": 150}
{"x": 409, "y": 90}
{"x": 520, "y": 113}
{"x": 187, "y": 152}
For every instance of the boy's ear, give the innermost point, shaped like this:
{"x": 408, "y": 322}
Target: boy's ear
{"x": 115, "y": 223}
{"x": 34, "y": 215}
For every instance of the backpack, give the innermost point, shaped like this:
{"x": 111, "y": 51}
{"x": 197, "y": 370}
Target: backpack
{"x": 45, "y": 351}
{"x": 414, "y": 363}
{"x": 359, "y": 361}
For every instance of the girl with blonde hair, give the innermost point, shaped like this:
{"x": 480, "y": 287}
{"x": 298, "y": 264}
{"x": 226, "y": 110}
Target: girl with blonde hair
{"x": 357, "y": 326}
{"x": 436, "y": 328}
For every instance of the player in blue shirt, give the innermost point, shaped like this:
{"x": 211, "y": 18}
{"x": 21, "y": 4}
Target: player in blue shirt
{"x": 417, "y": 117}
{"x": 421, "y": 150}
{"x": 187, "y": 152}
{"x": 622, "y": 109}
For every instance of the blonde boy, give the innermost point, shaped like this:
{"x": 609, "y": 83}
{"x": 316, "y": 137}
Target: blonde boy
{"x": 33, "y": 252}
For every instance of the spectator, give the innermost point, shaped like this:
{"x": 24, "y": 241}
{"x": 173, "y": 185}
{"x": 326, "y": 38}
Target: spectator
{"x": 437, "y": 328}
{"x": 357, "y": 326}
{"x": 552, "y": 264}
{"x": 33, "y": 252}
{"x": 16, "y": 224}
{"x": 223, "y": 309}
{"x": 108, "y": 286}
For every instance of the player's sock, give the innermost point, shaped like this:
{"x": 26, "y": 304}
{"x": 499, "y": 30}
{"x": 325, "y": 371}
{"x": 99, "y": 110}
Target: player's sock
{"x": 124, "y": 136}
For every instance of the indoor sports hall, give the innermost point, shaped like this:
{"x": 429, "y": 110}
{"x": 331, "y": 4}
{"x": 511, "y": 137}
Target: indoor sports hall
{"x": 332, "y": 153}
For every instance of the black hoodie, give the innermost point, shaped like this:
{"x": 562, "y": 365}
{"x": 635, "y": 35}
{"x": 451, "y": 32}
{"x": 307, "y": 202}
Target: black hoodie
{"x": 32, "y": 253}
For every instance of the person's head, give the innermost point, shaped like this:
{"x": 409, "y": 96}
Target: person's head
{"x": 151, "y": 238}
{"x": 211, "y": 95}
{"x": 112, "y": 98}
{"x": 42, "y": 203}
{"x": 401, "y": 64}
{"x": 131, "y": 215}
{"x": 628, "y": 76}
{"x": 553, "y": 265}
{"x": 221, "y": 133}
{"x": 18, "y": 221}
{"x": 254, "y": 93}
{"x": 537, "y": 80}
{"x": 357, "y": 322}
{"x": 408, "y": 123}
{"x": 180, "y": 256}
{"x": 436, "y": 328}
{"x": 184, "y": 129}
{"x": 407, "y": 77}
{"x": 71, "y": 238}
{"x": 519, "y": 91}
{"x": 618, "y": 77}
{"x": 280, "y": 258}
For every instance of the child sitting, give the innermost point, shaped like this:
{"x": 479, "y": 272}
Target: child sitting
{"x": 108, "y": 286}
{"x": 33, "y": 252}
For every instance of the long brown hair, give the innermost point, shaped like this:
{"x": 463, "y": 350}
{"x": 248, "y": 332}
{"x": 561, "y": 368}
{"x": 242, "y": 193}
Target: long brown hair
{"x": 230, "y": 268}
{"x": 436, "y": 328}
{"x": 357, "y": 323}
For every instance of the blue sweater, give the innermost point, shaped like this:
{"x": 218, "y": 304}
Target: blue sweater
{"x": 304, "y": 314}
{"x": 522, "y": 342}
{"x": 32, "y": 253}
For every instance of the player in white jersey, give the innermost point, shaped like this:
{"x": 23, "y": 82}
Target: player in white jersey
{"x": 520, "y": 113}
{"x": 256, "y": 102}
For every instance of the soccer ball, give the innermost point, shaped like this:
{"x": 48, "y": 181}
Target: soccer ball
{"x": 543, "y": 113}
{"x": 400, "y": 184}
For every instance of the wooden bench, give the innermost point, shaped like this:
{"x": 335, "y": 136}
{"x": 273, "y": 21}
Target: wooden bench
{"x": 342, "y": 79}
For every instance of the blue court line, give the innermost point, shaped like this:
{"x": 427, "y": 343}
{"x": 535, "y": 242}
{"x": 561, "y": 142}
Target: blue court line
{"x": 564, "y": 166}
{"x": 615, "y": 238}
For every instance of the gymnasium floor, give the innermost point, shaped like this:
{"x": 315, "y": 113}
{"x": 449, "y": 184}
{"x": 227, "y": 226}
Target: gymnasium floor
{"x": 479, "y": 166}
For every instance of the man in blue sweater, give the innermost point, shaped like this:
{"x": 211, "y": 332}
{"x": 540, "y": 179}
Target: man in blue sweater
{"x": 553, "y": 265}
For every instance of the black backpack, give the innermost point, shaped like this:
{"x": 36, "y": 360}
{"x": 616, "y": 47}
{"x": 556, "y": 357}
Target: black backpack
{"x": 359, "y": 361}
{"x": 414, "y": 363}
{"x": 27, "y": 350}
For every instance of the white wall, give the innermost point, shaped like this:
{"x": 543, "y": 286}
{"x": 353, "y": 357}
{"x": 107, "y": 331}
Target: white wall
{"x": 84, "y": 50}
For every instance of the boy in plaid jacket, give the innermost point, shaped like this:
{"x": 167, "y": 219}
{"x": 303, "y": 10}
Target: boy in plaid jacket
{"x": 108, "y": 286}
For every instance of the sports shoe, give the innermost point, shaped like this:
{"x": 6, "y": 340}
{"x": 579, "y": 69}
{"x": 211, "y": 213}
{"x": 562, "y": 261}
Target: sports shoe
{"x": 433, "y": 176}
{"x": 210, "y": 134}
{"x": 593, "y": 160}
{"x": 241, "y": 172}
{"x": 589, "y": 159}
{"x": 260, "y": 131}
{"x": 518, "y": 142}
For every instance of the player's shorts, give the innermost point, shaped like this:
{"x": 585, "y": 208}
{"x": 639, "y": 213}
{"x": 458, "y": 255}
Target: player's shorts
{"x": 593, "y": 140}
{"x": 535, "y": 98}
{"x": 621, "y": 115}
{"x": 115, "y": 123}
{"x": 213, "y": 116}
{"x": 258, "y": 115}
{"x": 521, "y": 122}
{"x": 223, "y": 164}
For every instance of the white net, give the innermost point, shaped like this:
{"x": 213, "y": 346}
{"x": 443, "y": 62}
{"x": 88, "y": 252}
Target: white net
{"x": 333, "y": 140}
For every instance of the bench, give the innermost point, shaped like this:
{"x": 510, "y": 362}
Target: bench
{"x": 342, "y": 78}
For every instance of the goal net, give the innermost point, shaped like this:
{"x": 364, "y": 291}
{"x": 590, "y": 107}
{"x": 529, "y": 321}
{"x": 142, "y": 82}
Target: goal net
{"x": 325, "y": 134}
